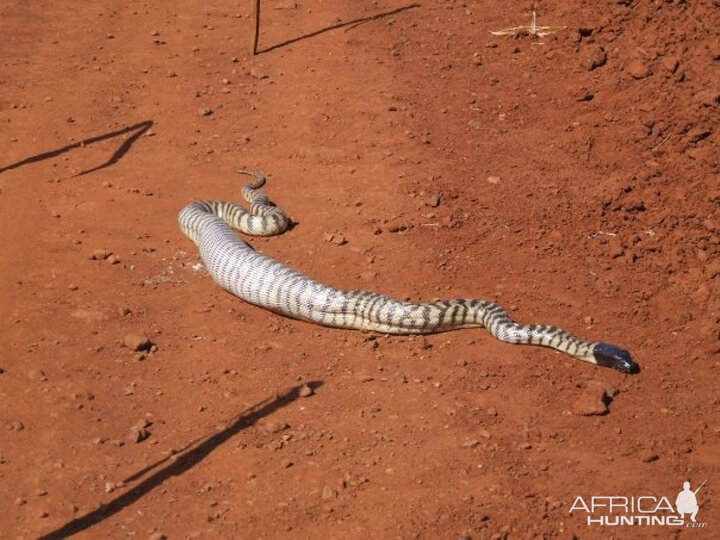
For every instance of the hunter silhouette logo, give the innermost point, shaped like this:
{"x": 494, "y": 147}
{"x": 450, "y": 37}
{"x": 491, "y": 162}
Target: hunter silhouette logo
{"x": 686, "y": 502}
{"x": 646, "y": 510}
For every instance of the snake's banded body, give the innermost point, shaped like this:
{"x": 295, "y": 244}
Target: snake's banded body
{"x": 265, "y": 282}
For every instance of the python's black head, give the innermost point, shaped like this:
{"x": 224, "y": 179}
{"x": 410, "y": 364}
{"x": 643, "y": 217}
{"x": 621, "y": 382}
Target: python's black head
{"x": 608, "y": 355}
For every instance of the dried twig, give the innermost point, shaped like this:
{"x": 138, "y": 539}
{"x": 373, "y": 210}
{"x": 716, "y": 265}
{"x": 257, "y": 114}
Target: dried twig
{"x": 531, "y": 30}
{"x": 666, "y": 139}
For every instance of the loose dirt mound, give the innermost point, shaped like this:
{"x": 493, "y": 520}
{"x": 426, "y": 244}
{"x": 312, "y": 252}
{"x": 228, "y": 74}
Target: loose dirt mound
{"x": 572, "y": 177}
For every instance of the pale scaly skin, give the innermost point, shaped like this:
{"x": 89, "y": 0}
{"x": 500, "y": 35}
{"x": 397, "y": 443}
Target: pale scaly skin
{"x": 265, "y": 282}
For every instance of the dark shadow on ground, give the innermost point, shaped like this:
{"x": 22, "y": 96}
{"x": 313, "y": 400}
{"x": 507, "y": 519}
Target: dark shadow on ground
{"x": 192, "y": 454}
{"x": 350, "y": 24}
{"x": 139, "y": 130}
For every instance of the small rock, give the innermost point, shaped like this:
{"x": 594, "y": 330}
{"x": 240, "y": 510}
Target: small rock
{"x": 335, "y": 238}
{"x": 157, "y": 536}
{"x": 138, "y": 434}
{"x": 20, "y": 501}
{"x": 615, "y": 248}
{"x": 593, "y": 400}
{"x": 37, "y": 375}
{"x": 433, "y": 201}
{"x": 143, "y": 423}
{"x": 582, "y": 94}
{"x": 305, "y": 391}
{"x": 257, "y": 74}
{"x": 470, "y": 443}
{"x": 339, "y": 240}
{"x": 594, "y": 57}
{"x": 170, "y": 74}
{"x": 649, "y": 457}
{"x": 329, "y": 493}
{"x": 670, "y": 63}
{"x": 274, "y": 426}
{"x": 15, "y": 425}
{"x": 137, "y": 342}
{"x": 493, "y": 179}
{"x": 637, "y": 69}
{"x": 204, "y": 111}
{"x": 99, "y": 254}
{"x": 286, "y": 463}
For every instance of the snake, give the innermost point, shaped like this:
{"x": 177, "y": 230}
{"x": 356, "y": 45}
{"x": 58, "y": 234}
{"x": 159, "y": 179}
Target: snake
{"x": 265, "y": 282}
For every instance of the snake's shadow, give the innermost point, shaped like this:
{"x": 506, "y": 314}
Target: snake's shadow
{"x": 189, "y": 456}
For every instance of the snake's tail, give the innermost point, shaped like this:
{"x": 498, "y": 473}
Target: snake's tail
{"x": 260, "y": 205}
{"x": 257, "y": 184}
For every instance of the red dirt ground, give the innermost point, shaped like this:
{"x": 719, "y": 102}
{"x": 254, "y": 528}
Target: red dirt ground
{"x": 454, "y": 163}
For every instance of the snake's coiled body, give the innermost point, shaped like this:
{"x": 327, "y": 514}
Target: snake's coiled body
{"x": 265, "y": 282}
